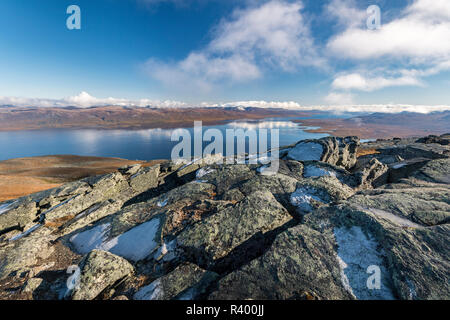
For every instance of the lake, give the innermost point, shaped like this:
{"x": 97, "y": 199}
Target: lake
{"x": 149, "y": 144}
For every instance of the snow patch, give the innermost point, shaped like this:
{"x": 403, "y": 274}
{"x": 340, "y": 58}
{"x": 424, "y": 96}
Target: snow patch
{"x": 135, "y": 244}
{"x": 86, "y": 241}
{"x": 262, "y": 158}
{"x": 166, "y": 252}
{"x": 399, "y": 165}
{"x": 356, "y": 252}
{"x": 200, "y": 181}
{"x": 402, "y": 222}
{"x": 301, "y": 198}
{"x": 162, "y": 203}
{"x": 189, "y": 294}
{"x": 88, "y": 211}
{"x": 154, "y": 291}
{"x": 344, "y": 279}
{"x": 306, "y": 151}
{"x": 203, "y": 172}
{"x": 412, "y": 290}
{"x": 6, "y": 207}
{"x": 26, "y": 233}
{"x": 314, "y": 171}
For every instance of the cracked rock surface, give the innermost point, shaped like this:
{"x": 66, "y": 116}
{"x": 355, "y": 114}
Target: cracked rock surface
{"x": 325, "y": 226}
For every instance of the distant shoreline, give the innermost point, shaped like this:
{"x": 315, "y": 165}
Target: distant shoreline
{"x": 382, "y": 126}
{"x": 121, "y": 118}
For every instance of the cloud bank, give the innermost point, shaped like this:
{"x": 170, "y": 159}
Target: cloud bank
{"x": 85, "y": 100}
{"x": 337, "y": 103}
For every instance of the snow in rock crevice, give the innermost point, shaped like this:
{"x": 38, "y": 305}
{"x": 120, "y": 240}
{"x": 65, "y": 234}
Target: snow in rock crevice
{"x": 153, "y": 291}
{"x": 400, "y": 221}
{"x": 26, "y": 233}
{"x": 267, "y": 170}
{"x": 301, "y": 198}
{"x": 162, "y": 203}
{"x": 187, "y": 295}
{"x": 314, "y": 171}
{"x": 86, "y": 241}
{"x": 356, "y": 252}
{"x": 6, "y": 207}
{"x": 43, "y": 215}
{"x": 306, "y": 151}
{"x": 166, "y": 252}
{"x": 203, "y": 172}
{"x": 135, "y": 244}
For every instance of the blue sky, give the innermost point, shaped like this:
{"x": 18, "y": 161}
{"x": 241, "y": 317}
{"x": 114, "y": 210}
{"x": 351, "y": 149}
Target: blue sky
{"x": 192, "y": 51}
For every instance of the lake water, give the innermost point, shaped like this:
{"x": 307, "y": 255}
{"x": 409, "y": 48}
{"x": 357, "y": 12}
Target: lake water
{"x": 147, "y": 144}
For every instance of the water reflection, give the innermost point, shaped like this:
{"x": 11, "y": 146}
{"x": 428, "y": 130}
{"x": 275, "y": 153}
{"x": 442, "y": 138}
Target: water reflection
{"x": 148, "y": 144}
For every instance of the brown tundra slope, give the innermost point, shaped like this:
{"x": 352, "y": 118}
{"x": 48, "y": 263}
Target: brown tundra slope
{"x": 115, "y": 117}
{"x": 21, "y": 177}
{"x": 383, "y": 125}
{"x": 318, "y": 228}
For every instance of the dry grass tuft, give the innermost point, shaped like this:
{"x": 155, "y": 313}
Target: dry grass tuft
{"x": 366, "y": 152}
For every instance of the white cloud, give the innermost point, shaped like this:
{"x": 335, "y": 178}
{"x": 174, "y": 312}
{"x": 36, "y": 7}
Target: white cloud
{"x": 336, "y": 102}
{"x": 276, "y": 31}
{"x": 272, "y": 35}
{"x": 339, "y": 106}
{"x": 357, "y": 81}
{"x": 339, "y": 99}
{"x": 421, "y": 33}
{"x": 346, "y": 13}
{"x": 85, "y": 100}
{"x": 430, "y": 9}
{"x": 405, "y": 50}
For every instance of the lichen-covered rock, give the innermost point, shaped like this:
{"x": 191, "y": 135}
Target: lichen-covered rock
{"x": 18, "y": 216}
{"x": 186, "y": 282}
{"x": 32, "y": 284}
{"x": 22, "y": 254}
{"x": 100, "y": 270}
{"x": 443, "y": 140}
{"x": 300, "y": 262}
{"x": 374, "y": 175}
{"x": 291, "y": 168}
{"x": 312, "y": 193}
{"x": 425, "y": 206}
{"x": 89, "y": 216}
{"x": 187, "y": 171}
{"x": 322, "y": 227}
{"x": 404, "y": 169}
{"x": 415, "y": 258}
{"x": 145, "y": 179}
{"x": 229, "y": 176}
{"x": 337, "y": 151}
{"x": 216, "y": 236}
{"x": 348, "y": 148}
{"x": 103, "y": 188}
{"x": 130, "y": 170}
{"x": 134, "y": 244}
{"x": 279, "y": 185}
{"x": 437, "y": 171}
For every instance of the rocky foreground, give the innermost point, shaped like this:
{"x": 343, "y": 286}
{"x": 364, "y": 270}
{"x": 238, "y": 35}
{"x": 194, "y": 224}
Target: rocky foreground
{"x": 323, "y": 227}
